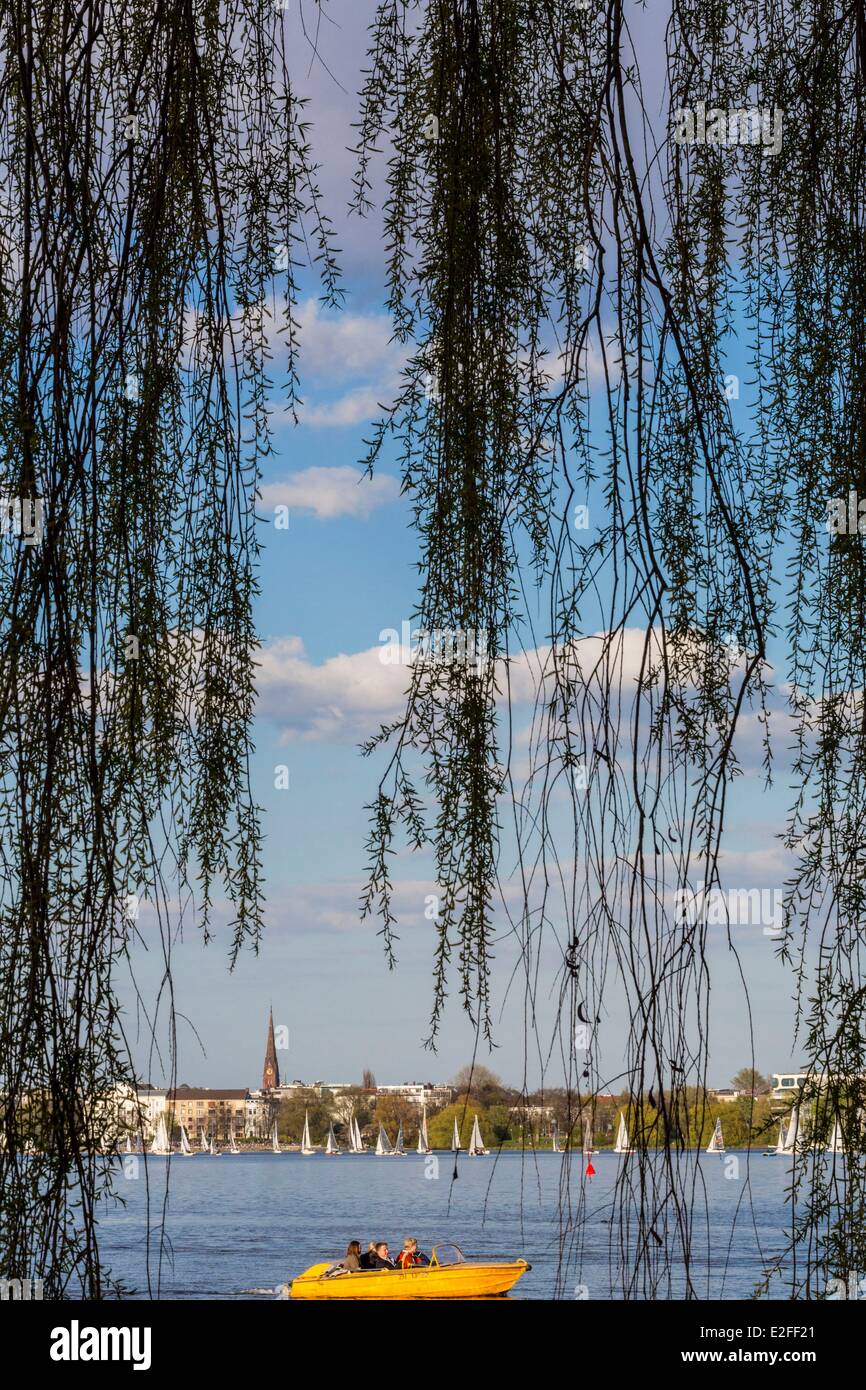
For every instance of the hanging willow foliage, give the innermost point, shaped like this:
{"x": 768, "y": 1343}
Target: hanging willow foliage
{"x": 572, "y": 263}
{"x": 158, "y": 188}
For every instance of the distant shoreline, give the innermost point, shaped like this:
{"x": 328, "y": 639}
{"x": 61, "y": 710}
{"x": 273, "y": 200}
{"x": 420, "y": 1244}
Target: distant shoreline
{"x": 511, "y": 1147}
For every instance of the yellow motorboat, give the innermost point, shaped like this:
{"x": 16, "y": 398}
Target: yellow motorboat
{"x": 448, "y": 1275}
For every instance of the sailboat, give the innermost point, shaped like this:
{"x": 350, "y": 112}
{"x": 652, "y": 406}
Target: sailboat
{"x": 455, "y": 1142}
{"x": 622, "y": 1146}
{"x": 160, "y": 1145}
{"x": 554, "y": 1139}
{"x": 383, "y": 1144}
{"x": 357, "y": 1145}
{"x": 306, "y": 1141}
{"x": 233, "y": 1143}
{"x": 717, "y": 1142}
{"x": 275, "y": 1140}
{"x": 836, "y": 1145}
{"x": 476, "y": 1143}
{"x": 423, "y": 1141}
{"x": 185, "y": 1147}
{"x": 203, "y": 1144}
{"x": 213, "y": 1150}
{"x": 780, "y": 1143}
{"x": 331, "y": 1148}
{"x": 128, "y": 1144}
{"x": 792, "y": 1131}
{"x": 399, "y": 1150}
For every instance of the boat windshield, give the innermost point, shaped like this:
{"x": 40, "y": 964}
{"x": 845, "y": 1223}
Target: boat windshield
{"x": 447, "y": 1255}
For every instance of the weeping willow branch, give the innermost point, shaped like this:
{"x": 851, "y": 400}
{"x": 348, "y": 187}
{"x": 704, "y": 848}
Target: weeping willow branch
{"x": 572, "y": 271}
{"x": 159, "y": 195}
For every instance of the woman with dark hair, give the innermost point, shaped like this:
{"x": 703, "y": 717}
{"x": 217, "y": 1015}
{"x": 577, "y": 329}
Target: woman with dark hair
{"x": 350, "y": 1262}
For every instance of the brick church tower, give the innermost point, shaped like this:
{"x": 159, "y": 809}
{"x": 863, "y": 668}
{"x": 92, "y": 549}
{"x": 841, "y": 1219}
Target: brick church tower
{"x": 271, "y": 1073}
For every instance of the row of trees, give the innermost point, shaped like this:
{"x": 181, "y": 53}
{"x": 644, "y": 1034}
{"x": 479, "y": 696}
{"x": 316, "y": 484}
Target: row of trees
{"x": 390, "y": 1111}
{"x": 508, "y": 1117}
{"x": 746, "y": 1121}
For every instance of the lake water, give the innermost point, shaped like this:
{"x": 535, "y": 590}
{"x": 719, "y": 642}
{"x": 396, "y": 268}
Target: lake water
{"x": 253, "y": 1221}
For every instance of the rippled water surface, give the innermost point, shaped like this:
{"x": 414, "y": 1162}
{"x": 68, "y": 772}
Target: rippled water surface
{"x": 253, "y": 1221}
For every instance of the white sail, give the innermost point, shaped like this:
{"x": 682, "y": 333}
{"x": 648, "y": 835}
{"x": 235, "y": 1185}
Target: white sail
{"x": 383, "y": 1144}
{"x": 203, "y": 1144}
{"x": 160, "y": 1143}
{"x": 275, "y": 1140}
{"x": 185, "y": 1146}
{"x": 622, "y": 1145}
{"x": 128, "y": 1144}
{"x": 455, "y": 1142}
{"x": 331, "y": 1146}
{"x": 233, "y": 1143}
{"x": 306, "y": 1142}
{"x": 554, "y": 1138}
{"x": 717, "y": 1142}
{"x": 213, "y": 1151}
{"x": 780, "y": 1143}
{"x": 398, "y": 1145}
{"x": 476, "y": 1143}
{"x": 835, "y": 1145}
{"x": 357, "y": 1146}
{"x": 587, "y": 1137}
{"x": 423, "y": 1141}
{"x": 792, "y": 1130}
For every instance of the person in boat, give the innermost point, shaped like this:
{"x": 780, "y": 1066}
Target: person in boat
{"x": 366, "y": 1260}
{"x": 380, "y": 1259}
{"x": 350, "y": 1262}
{"x": 410, "y": 1254}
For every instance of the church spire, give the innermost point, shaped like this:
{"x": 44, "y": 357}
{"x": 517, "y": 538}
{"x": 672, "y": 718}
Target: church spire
{"x": 271, "y": 1073}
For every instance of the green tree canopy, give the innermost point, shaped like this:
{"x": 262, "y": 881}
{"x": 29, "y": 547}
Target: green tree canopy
{"x": 291, "y": 1117}
{"x": 440, "y": 1128}
{"x": 751, "y": 1081}
{"x": 480, "y": 1083}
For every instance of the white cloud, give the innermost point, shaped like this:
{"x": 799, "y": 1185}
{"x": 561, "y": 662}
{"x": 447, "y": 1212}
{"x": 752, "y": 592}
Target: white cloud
{"x": 344, "y": 346}
{"x": 343, "y": 699}
{"x": 346, "y": 697}
{"x": 356, "y": 407}
{"x": 346, "y": 349}
{"x": 314, "y": 908}
{"x": 331, "y": 492}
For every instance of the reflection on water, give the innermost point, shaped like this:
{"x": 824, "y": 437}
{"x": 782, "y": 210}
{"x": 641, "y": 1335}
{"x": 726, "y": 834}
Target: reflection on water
{"x": 243, "y": 1227}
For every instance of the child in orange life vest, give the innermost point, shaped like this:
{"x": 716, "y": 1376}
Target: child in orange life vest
{"x": 410, "y": 1254}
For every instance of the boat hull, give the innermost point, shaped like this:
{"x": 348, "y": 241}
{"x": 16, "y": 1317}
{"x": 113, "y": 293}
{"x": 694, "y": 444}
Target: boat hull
{"x": 479, "y": 1280}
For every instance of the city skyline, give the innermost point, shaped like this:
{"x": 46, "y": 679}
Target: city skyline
{"x": 337, "y": 1076}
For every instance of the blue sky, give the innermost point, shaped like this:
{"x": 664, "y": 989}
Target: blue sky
{"x": 341, "y": 573}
